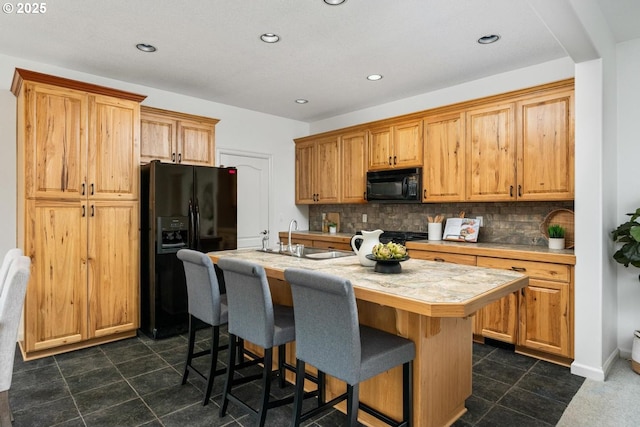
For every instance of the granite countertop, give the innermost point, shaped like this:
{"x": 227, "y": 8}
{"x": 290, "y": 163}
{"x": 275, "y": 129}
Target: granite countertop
{"x": 500, "y": 250}
{"x": 432, "y": 288}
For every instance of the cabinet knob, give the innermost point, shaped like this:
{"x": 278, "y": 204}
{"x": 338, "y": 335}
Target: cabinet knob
{"x": 518, "y": 269}
{"x": 439, "y": 259}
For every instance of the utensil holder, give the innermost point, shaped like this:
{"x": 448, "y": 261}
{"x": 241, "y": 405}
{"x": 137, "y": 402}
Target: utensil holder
{"x": 434, "y": 230}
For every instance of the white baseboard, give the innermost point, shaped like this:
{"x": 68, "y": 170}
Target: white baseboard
{"x": 594, "y": 373}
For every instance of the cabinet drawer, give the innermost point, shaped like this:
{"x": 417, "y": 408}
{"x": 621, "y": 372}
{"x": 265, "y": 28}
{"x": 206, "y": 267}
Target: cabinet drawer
{"x": 331, "y": 245}
{"x": 534, "y": 269}
{"x": 443, "y": 257}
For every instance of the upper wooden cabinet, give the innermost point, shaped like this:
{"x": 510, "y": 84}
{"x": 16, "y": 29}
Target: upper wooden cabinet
{"x": 78, "y": 144}
{"x": 396, "y": 146}
{"x": 173, "y": 137}
{"x": 318, "y": 171}
{"x": 491, "y": 153}
{"x": 508, "y": 147}
{"x": 444, "y": 157}
{"x": 353, "y": 149}
{"x": 545, "y": 139}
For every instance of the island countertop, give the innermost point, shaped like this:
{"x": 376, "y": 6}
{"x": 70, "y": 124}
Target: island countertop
{"x": 433, "y": 289}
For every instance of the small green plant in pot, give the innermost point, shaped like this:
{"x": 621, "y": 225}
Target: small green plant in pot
{"x": 556, "y": 236}
{"x": 628, "y": 233}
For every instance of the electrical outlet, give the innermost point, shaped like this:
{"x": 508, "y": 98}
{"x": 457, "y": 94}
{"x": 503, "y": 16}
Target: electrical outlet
{"x": 480, "y": 221}
{"x": 364, "y": 217}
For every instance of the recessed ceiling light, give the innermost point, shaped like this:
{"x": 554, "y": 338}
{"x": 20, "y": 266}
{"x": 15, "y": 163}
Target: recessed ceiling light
{"x": 301, "y": 101}
{"x": 270, "y": 38}
{"x": 491, "y": 38}
{"x": 374, "y": 77}
{"x": 334, "y": 2}
{"x": 146, "y": 47}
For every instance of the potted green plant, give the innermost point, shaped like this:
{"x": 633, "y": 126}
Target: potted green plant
{"x": 556, "y": 236}
{"x": 332, "y": 227}
{"x": 628, "y": 234}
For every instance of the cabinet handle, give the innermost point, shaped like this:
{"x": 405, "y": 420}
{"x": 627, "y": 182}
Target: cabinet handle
{"x": 364, "y": 195}
{"x": 92, "y": 189}
{"x": 425, "y": 194}
{"x": 179, "y": 157}
{"x": 82, "y": 191}
{"x": 173, "y": 157}
{"x": 511, "y": 191}
{"x": 519, "y": 269}
{"x": 394, "y": 160}
{"x": 93, "y": 211}
{"x": 390, "y": 161}
{"x": 519, "y": 190}
{"x": 438, "y": 259}
{"x": 84, "y": 212}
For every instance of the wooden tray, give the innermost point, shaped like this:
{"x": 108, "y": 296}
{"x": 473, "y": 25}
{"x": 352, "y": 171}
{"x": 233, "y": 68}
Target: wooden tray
{"x": 563, "y": 217}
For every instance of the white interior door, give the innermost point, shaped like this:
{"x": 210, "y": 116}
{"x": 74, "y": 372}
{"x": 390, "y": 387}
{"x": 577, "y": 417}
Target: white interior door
{"x": 254, "y": 186}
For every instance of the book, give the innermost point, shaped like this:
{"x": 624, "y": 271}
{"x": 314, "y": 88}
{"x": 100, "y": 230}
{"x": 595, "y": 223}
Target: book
{"x": 461, "y": 230}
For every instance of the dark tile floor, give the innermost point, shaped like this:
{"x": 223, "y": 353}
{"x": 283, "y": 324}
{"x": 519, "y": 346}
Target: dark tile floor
{"x": 136, "y": 382}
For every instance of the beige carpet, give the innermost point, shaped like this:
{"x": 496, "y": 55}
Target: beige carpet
{"x": 614, "y": 402}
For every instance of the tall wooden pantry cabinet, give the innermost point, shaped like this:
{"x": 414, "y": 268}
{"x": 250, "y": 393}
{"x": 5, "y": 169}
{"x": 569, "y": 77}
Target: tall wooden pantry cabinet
{"x": 78, "y": 214}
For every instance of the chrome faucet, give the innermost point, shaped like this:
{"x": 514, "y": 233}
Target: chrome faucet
{"x": 265, "y": 239}
{"x": 293, "y": 221}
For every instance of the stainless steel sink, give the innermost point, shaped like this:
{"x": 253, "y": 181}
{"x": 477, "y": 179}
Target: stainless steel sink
{"x": 313, "y": 253}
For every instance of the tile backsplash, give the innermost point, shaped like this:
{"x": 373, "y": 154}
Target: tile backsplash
{"x": 508, "y": 222}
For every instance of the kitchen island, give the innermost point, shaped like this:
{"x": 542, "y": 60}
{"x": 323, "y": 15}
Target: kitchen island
{"x": 429, "y": 303}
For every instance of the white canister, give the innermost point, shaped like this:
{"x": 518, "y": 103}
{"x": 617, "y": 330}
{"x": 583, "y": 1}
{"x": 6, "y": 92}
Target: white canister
{"x": 435, "y": 231}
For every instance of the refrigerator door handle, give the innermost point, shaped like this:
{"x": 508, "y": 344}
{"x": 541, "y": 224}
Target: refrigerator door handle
{"x": 196, "y": 233}
{"x": 191, "y": 242}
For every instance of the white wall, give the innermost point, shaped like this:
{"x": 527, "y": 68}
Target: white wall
{"x": 628, "y": 189}
{"x": 526, "y": 77}
{"x": 238, "y": 129}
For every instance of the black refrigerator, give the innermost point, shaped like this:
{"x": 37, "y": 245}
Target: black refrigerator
{"x": 181, "y": 206}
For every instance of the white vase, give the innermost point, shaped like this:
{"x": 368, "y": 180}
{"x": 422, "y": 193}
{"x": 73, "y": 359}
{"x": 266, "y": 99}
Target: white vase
{"x": 635, "y": 352}
{"x": 556, "y": 243}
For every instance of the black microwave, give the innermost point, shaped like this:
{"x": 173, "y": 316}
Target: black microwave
{"x": 396, "y": 185}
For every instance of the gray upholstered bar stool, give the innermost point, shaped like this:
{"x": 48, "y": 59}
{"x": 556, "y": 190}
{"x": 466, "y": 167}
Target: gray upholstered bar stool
{"x": 207, "y": 305}
{"x": 329, "y": 337}
{"x": 254, "y": 318}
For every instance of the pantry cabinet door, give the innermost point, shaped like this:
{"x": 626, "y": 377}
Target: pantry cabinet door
{"x": 491, "y": 154}
{"x": 114, "y": 148}
{"x": 55, "y": 142}
{"x": 56, "y": 299}
{"x": 113, "y": 273}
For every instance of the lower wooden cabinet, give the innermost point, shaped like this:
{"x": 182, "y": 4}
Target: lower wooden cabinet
{"x": 538, "y": 319}
{"x": 85, "y": 271}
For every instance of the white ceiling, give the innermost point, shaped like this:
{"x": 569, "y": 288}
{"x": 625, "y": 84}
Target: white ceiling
{"x": 211, "y": 49}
